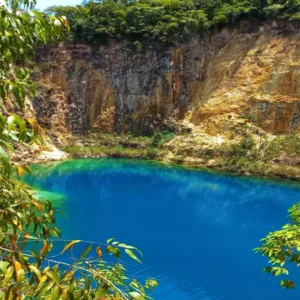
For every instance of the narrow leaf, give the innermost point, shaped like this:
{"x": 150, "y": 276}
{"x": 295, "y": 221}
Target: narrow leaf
{"x": 69, "y": 245}
{"x": 85, "y": 252}
{"x": 132, "y": 255}
{"x": 136, "y": 296}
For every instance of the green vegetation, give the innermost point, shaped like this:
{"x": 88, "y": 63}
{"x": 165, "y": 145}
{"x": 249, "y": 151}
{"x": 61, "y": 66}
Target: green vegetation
{"x": 167, "y": 21}
{"x": 278, "y": 157}
{"x": 115, "y": 151}
{"x": 282, "y": 248}
{"x": 28, "y": 235}
{"x": 161, "y": 137}
{"x": 99, "y": 145}
{"x": 286, "y": 147}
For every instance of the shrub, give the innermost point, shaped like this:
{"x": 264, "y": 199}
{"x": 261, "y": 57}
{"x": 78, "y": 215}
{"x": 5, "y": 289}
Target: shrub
{"x": 288, "y": 145}
{"x": 138, "y": 46}
{"x": 157, "y": 139}
{"x": 245, "y": 147}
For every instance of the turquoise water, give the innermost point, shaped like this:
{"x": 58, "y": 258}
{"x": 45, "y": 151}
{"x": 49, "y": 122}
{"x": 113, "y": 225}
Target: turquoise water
{"x": 196, "y": 229}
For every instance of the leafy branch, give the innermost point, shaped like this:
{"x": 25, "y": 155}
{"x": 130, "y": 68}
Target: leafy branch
{"x": 283, "y": 247}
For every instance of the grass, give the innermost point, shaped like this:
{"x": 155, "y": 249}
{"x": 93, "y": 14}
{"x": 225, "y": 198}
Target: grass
{"x": 115, "y": 151}
{"x": 111, "y": 145}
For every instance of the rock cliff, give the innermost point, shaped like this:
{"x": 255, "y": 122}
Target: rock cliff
{"x": 214, "y": 84}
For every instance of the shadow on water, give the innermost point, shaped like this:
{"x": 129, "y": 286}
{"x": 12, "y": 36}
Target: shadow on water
{"x": 196, "y": 229}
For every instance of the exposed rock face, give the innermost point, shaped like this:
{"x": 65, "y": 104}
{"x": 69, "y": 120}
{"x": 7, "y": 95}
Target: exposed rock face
{"x": 247, "y": 72}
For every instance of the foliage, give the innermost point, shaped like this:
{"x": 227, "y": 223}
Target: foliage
{"x": 166, "y": 21}
{"x": 111, "y": 151}
{"x": 101, "y": 144}
{"x": 243, "y": 155}
{"x": 33, "y": 272}
{"x": 157, "y": 139}
{"x": 161, "y": 20}
{"x": 21, "y": 30}
{"x": 138, "y": 46}
{"x": 282, "y": 247}
{"x": 276, "y": 157}
{"x": 286, "y": 145}
{"x": 161, "y": 137}
{"x": 244, "y": 147}
{"x": 28, "y": 269}
{"x": 282, "y": 147}
{"x": 255, "y": 154}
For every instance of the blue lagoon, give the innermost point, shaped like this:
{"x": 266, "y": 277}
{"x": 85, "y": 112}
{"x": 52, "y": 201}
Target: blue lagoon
{"x": 196, "y": 229}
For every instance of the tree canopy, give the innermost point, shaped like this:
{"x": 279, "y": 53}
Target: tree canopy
{"x": 165, "y": 20}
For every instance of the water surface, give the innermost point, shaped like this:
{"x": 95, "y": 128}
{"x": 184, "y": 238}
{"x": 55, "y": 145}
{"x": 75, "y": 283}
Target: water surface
{"x": 196, "y": 229}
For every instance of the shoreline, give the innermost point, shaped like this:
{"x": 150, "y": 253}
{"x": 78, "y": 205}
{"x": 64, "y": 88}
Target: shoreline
{"x": 274, "y": 171}
{"x": 215, "y": 163}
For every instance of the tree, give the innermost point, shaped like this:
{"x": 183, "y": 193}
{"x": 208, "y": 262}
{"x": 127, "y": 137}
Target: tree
{"x": 28, "y": 270}
{"x": 282, "y": 247}
{"x": 167, "y": 21}
{"x": 21, "y": 31}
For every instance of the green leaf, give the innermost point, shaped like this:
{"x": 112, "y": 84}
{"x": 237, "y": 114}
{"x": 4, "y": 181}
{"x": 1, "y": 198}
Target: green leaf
{"x": 85, "y": 252}
{"x": 2, "y": 92}
{"x": 109, "y": 240}
{"x": 38, "y": 14}
{"x": 14, "y": 119}
{"x": 101, "y": 292}
{"x": 52, "y": 275}
{"x": 132, "y": 255}
{"x": 4, "y": 159}
{"x": 117, "y": 252}
{"x": 2, "y": 295}
{"x": 36, "y": 271}
{"x": 45, "y": 289}
{"x": 8, "y": 275}
{"x": 55, "y": 293}
{"x": 109, "y": 249}
{"x": 37, "y": 257}
{"x": 17, "y": 95}
{"x": 136, "y": 296}
{"x": 3, "y": 266}
{"x": 122, "y": 245}
{"x": 3, "y": 121}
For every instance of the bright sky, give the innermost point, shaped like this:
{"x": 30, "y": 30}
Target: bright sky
{"x": 42, "y": 4}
